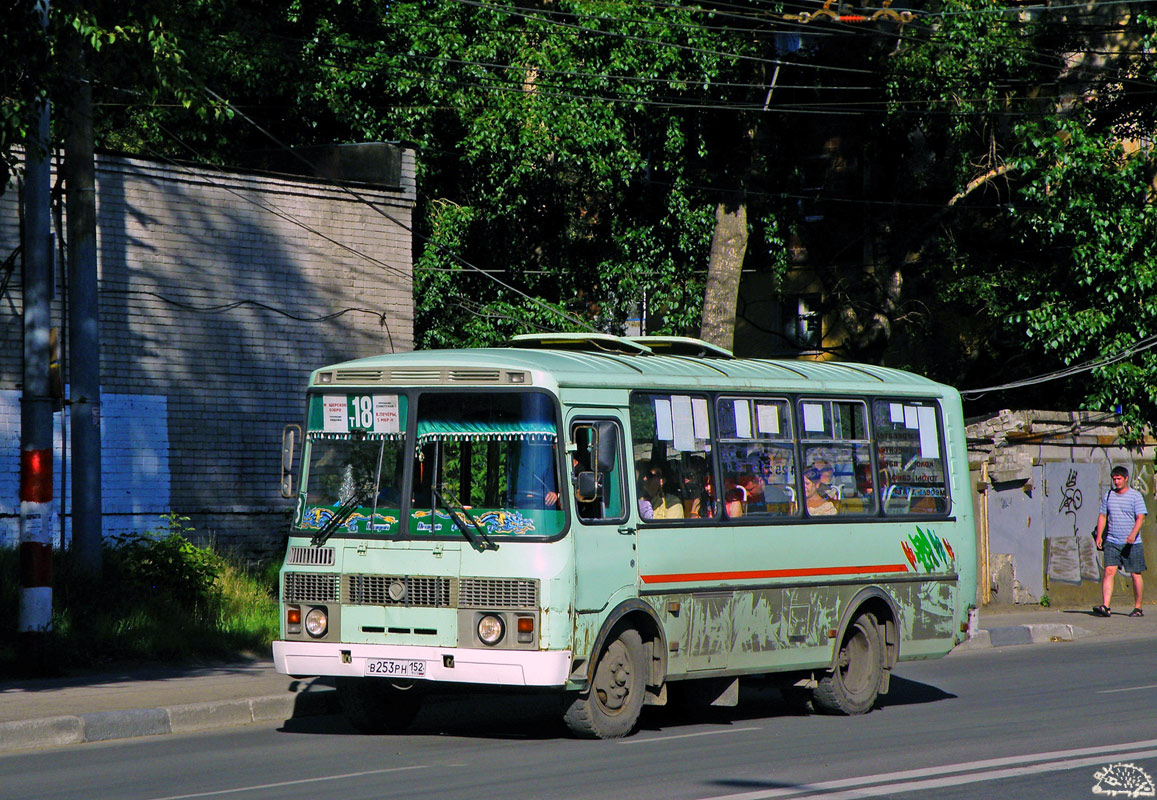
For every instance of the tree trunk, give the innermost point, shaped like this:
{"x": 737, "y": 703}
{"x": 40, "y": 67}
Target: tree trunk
{"x": 728, "y": 246}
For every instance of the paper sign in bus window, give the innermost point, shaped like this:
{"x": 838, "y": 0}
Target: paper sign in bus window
{"x": 813, "y": 417}
{"x": 386, "y": 419}
{"x": 742, "y": 419}
{"x": 767, "y": 418}
{"x": 896, "y": 413}
{"x": 334, "y": 413}
{"x": 684, "y": 427}
{"x": 929, "y": 438}
{"x": 910, "y": 418}
{"x": 699, "y": 416}
{"x": 663, "y": 425}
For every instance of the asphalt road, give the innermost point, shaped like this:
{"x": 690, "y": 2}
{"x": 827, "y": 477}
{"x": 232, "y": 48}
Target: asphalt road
{"x": 1047, "y": 721}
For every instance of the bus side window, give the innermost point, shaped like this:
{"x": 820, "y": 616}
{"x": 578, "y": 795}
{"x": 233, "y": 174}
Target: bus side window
{"x": 671, "y": 454}
{"x": 757, "y": 456}
{"x": 913, "y": 472}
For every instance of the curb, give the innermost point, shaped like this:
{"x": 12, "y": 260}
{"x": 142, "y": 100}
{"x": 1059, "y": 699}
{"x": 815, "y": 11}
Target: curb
{"x": 102, "y": 726}
{"x": 1022, "y": 634}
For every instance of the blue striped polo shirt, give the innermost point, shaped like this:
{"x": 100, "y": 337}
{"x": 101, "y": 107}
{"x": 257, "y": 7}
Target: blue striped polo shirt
{"x": 1122, "y": 510}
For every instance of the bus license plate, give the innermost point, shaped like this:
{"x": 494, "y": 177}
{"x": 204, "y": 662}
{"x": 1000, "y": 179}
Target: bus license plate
{"x": 395, "y": 668}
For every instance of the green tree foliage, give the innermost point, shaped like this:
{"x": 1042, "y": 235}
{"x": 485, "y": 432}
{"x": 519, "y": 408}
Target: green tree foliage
{"x": 981, "y": 208}
{"x": 131, "y": 53}
{"x": 22, "y": 89}
{"x": 570, "y": 155}
{"x": 1023, "y": 137}
{"x": 545, "y": 160}
{"x": 1086, "y": 215}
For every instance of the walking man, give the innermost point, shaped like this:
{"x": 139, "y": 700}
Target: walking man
{"x": 1122, "y": 512}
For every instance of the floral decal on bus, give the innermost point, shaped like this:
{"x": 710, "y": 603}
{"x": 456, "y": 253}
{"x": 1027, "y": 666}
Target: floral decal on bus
{"x": 316, "y": 518}
{"x": 930, "y": 551}
{"x": 511, "y": 522}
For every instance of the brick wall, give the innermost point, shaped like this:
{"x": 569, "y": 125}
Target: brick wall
{"x": 219, "y": 292}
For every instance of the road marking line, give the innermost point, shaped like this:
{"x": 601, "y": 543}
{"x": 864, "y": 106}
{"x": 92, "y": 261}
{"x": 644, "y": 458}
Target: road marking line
{"x": 959, "y": 780}
{"x": 320, "y": 779}
{"x": 1126, "y": 689}
{"x": 686, "y": 736}
{"x": 935, "y": 777}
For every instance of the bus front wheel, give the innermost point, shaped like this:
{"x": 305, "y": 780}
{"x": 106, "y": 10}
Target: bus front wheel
{"x": 609, "y": 707}
{"x": 854, "y": 682}
{"x": 376, "y": 705}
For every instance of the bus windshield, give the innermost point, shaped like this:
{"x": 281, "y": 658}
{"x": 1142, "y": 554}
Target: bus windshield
{"x": 493, "y": 456}
{"x": 489, "y": 459}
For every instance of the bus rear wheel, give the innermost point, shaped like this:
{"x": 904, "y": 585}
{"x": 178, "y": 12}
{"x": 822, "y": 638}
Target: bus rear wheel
{"x": 609, "y": 707}
{"x": 854, "y": 682}
{"x": 376, "y": 705}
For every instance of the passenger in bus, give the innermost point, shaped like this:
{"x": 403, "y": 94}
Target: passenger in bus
{"x": 698, "y": 502}
{"x": 817, "y": 504}
{"x": 753, "y": 487}
{"x": 827, "y": 479}
{"x": 655, "y": 502}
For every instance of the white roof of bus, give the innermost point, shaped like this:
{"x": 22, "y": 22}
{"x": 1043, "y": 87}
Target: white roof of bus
{"x": 586, "y": 368}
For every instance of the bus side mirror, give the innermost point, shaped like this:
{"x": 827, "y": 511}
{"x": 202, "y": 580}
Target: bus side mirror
{"x": 586, "y": 487}
{"x": 606, "y": 443}
{"x": 289, "y": 438}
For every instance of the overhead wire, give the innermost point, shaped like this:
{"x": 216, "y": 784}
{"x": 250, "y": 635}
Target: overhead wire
{"x": 890, "y": 103}
{"x": 1098, "y": 363}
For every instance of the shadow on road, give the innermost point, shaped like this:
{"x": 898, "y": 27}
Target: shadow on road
{"x": 903, "y": 692}
{"x": 539, "y": 716}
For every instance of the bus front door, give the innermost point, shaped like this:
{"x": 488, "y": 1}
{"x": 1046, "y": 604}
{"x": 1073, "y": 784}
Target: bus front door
{"x": 604, "y": 541}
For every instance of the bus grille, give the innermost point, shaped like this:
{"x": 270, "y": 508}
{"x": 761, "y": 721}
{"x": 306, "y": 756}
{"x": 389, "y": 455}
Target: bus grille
{"x": 374, "y": 590}
{"x": 432, "y": 592}
{"x": 310, "y": 556}
{"x": 497, "y": 593}
{"x": 310, "y": 587}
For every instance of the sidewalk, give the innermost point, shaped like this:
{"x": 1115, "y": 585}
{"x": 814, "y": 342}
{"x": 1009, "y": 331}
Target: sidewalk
{"x": 153, "y": 700}
{"x": 149, "y": 701}
{"x": 1011, "y": 625}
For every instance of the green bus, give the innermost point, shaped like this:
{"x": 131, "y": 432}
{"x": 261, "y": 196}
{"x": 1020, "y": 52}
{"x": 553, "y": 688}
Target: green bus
{"x": 618, "y": 519}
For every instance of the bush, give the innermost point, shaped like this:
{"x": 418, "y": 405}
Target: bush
{"x": 159, "y": 598}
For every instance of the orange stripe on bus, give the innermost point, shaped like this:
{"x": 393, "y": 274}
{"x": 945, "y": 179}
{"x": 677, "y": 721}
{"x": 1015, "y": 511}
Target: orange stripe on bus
{"x": 773, "y": 573}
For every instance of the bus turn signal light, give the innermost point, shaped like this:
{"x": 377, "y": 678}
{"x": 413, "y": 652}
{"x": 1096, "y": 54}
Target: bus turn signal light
{"x": 293, "y": 619}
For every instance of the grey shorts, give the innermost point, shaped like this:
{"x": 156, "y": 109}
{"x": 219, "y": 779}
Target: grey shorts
{"x": 1129, "y": 557}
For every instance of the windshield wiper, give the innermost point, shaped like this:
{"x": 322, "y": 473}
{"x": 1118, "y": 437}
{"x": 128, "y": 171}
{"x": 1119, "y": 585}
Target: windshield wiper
{"x": 333, "y": 523}
{"x": 480, "y": 541}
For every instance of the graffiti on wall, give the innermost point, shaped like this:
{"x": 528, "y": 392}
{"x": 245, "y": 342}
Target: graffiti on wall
{"x": 1070, "y": 513}
{"x": 1142, "y": 477}
{"x": 1071, "y": 498}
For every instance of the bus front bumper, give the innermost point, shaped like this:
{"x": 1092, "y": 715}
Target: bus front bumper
{"x": 449, "y": 664}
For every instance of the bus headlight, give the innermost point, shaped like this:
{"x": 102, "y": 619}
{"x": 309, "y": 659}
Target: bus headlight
{"x": 316, "y": 622}
{"x": 490, "y": 629}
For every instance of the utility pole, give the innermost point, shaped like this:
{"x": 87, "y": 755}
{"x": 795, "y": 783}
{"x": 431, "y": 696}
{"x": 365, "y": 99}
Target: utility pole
{"x": 84, "y": 321}
{"x": 35, "y": 617}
